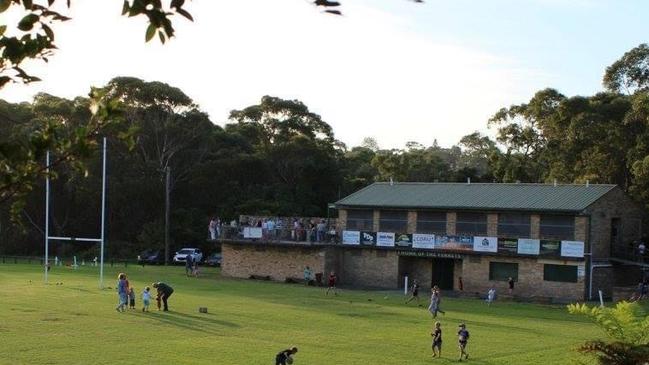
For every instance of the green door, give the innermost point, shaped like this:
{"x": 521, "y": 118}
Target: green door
{"x": 443, "y": 273}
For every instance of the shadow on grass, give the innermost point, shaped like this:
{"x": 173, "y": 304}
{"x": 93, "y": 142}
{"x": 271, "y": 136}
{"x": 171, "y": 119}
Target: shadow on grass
{"x": 191, "y": 322}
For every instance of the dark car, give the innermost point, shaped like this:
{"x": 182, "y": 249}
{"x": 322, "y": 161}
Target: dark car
{"x": 151, "y": 257}
{"x": 214, "y": 259}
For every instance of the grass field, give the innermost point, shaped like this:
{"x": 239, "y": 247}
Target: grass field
{"x": 248, "y": 322}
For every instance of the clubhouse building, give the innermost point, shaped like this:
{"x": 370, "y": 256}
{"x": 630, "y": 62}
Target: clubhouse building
{"x": 558, "y": 242}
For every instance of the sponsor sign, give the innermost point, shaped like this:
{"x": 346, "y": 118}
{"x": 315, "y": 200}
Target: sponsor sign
{"x": 550, "y": 248}
{"x": 403, "y": 240}
{"x": 485, "y": 244}
{"x": 351, "y": 237}
{"x": 434, "y": 254}
{"x": 252, "y": 232}
{"x": 528, "y": 246}
{"x": 454, "y": 243}
{"x": 507, "y": 245}
{"x": 572, "y": 248}
{"x": 368, "y": 238}
{"x": 385, "y": 239}
{"x": 421, "y": 240}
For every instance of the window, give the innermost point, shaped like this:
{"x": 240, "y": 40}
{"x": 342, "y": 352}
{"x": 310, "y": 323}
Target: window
{"x": 561, "y": 227}
{"x": 561, "y": 273}
{"x": 360, "y": 220}
{"x": 431, "y": 222}
{"x": 393, "y": 221}
{"x": 514, "y": 225}
{"x": 471, "y": 224}
{"x": 502, "y": 271}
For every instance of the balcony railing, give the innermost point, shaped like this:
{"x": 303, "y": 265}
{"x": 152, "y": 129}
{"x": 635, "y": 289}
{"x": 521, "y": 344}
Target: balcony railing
{"x": 279, "y": 235}
{"x": 629, "y": 253}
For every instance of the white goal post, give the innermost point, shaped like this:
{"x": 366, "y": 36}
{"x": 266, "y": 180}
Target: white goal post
{"x": 58, "y": 238}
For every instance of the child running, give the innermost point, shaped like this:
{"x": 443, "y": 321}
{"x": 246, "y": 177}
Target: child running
{"x": 146, "y": 299}
{"x": 437, "y": 339}
{"x": 462, "y": 339}
{"x": 131, "y": 297}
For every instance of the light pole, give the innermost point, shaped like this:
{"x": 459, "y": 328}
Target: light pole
{"x": 167, "y": 208}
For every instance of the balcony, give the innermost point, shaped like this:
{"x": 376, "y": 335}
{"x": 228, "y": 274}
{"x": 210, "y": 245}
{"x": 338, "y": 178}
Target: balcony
{"x": 629, "y": 255}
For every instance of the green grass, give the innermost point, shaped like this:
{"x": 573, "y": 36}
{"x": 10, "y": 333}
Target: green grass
{"x": 248, "y": 322}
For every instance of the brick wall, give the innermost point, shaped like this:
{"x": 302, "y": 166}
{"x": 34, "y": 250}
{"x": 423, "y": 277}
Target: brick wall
{"x": 417, "y": 268}
{"x": 241, "y": 261}
{"x": 492, "y": 225}
{"x": 376, "y": 220}
{"x": 535, "y": 226}
{"x": 412, "y": 221}
{"x": 369, "y": 268}
{"x": 342, "y": 219}
{"x": 451, "y": 220}
{"x": 615, "y": 204}
{"x": 475, "y": 274}
{"x": 581, "y": 228}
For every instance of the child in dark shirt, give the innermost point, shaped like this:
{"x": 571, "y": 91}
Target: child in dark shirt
{"x": 462, "y": 340}
{"x": 285, "y": 357}
{"x": 437, "y": 339}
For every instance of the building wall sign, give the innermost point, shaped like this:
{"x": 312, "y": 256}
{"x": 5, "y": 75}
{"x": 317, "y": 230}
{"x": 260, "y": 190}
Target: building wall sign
{"x": 351, "y": 237}
{"x": 422, "y": 240}
{"x": 528, "y": 246}
{"x": 485, "y": 244}
{"x": 403, "y": 240}
{"x": 572, "y": 248}
{"x": 252, "y": 232}
{"x": 368, "y": 238}
{"x": 442, "y": 255}
{"x": 454, "y": 242}
{"x": 385, "y": 239}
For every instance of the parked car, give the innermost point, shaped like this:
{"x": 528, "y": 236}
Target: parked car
{"x": 151, "y": 257}
{"x": 214, "y": 259}
{"x": 181, "y": 256}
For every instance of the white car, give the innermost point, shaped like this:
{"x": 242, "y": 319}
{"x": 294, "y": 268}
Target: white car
{"x": 181, "y": 256}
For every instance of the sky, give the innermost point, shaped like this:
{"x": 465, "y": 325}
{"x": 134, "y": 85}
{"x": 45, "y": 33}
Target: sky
{"x": 394, "y": 70}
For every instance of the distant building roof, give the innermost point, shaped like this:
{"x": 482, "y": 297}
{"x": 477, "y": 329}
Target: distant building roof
{"x": 477, "y": 196}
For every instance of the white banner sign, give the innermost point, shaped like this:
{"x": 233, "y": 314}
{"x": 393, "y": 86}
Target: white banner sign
{"x": 485, "y": 244}
{"x": 581, "y": 271}
{"x": 572, "y": 248}
{"x": 351, "y": 237}
{"x": 529, "y": 246}
{"x": 385, "y": 239}
{"x": 251, "y": 232}
{"x": 421, "y": 240}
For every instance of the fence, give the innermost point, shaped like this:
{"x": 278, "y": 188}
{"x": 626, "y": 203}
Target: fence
{"x": 284, "y": 235}
{"x": 35, "y": 260}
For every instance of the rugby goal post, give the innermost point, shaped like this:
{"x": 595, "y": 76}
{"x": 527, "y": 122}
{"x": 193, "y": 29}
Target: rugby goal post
{"x": 101, "y": 238}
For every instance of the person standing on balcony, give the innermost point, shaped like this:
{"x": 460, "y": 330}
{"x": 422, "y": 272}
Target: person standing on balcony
{"x": 641, "y": 250}
{"x": 212, "y": 228}
{"x": 322, "y": 228}
{"x": 270, "y": 226}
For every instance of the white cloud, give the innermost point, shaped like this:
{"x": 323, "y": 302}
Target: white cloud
{"x": 365, "y": 72}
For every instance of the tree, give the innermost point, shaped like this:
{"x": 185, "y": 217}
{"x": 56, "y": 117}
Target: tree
{"x": 630, "y": 73}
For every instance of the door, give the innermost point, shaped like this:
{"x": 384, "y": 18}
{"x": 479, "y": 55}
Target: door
{"x": 443, "y": 273}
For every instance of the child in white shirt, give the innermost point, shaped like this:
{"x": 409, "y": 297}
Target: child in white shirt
{"x": 491, "y": 295}
{"x": 146, "y": 299}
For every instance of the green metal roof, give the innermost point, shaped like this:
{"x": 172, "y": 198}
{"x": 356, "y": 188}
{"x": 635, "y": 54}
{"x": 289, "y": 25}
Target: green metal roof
{"x": 473, "y": 196}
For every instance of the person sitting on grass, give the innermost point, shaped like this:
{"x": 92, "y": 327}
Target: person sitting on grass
{"x": 164, "y": 292}
{"x": 462, "y": 340}
{"x": 146, "y": 299}
{"x": 285, "y": 357}
{"x": 414, "y": 292}
{"x": 122, "y": 292}
{"x": 437, "y": 339}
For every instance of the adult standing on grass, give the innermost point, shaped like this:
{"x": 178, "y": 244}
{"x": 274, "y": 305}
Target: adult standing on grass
{"x": 510, "y": 283}
{"x": 189, "y": 265}
{"x": 122, "y": 292}
{"x": 164, "y": 292}
{"x": 434, "y": 302}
